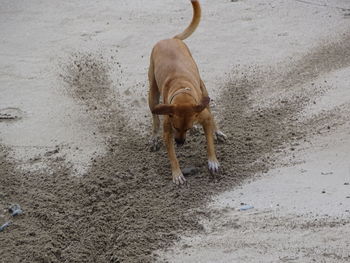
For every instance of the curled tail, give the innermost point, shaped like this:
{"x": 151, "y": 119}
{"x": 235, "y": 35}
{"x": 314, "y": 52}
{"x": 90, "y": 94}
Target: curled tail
{"x": 194, "y": 23}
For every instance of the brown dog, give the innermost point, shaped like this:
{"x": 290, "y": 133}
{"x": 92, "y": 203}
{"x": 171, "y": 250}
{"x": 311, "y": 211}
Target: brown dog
{"x": 174, "y": 75}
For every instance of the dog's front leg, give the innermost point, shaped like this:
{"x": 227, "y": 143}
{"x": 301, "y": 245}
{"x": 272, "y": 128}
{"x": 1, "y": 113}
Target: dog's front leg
{"x": 178, "y": 177}
{"x": 153, "y": 101}
{"x": 207, "y": 123}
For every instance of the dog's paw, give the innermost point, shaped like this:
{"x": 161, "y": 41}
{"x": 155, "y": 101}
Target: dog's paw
{"x": 220, "y": 136}
{"x": 154, "y": 144}
{"x": 213, "y": 166}
{"x": 178, "y": 178}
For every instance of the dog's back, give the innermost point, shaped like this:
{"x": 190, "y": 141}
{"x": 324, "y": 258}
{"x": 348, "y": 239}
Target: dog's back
{"x": 173, "y": 57}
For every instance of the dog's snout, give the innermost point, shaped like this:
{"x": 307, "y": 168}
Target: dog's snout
{"x": 179, "y": 141}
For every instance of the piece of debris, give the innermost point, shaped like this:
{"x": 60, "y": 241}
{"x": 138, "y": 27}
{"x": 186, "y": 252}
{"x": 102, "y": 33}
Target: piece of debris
{"x": 2, "y": 228}
{"x": 15, "y": 210}
{"x": 326, "y": 173}
{"x": 7, "y": 117}
{"x": 246, "y": 207}
{"x": 10, "y": 113}
{"x": 323, "y": 191}
{"x": 195, "y": 131}
{"x": 346, "y": 183}
{"x": 49, "y": 153}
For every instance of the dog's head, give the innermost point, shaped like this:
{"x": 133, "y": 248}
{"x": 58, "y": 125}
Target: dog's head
{"x": 181, "y": 116}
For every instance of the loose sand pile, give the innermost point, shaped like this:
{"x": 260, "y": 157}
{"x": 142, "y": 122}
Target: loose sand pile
{"x": 126, "y": 206}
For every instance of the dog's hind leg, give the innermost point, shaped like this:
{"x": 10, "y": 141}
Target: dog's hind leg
{"x": 153, "y": 100}
{"x": 219, "y": 135}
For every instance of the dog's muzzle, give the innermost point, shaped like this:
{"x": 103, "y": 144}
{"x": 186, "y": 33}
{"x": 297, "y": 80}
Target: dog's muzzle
{"x": 179, "y": 142}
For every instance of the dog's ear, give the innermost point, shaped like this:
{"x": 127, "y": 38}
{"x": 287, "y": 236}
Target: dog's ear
{"x": 204, "y": 103}
{"x": 163, "y": 109}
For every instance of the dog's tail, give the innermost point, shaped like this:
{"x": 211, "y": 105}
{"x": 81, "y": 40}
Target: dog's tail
{"x": 194, "y": 23}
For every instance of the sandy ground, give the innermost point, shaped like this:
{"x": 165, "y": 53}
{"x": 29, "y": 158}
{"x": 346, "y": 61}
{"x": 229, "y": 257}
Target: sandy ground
{"x": 74, "y": 125}
{"x": 299, "y": 212}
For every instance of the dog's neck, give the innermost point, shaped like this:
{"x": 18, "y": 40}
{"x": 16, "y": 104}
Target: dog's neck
{"x": 182, "y": 91}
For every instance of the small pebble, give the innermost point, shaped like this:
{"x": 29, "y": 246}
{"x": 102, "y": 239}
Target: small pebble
{"x": 7, "y": 224}
{"x": 15, "y": 210}
{"x": 246, "y": 207}
{"x": 190, "y": 170}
